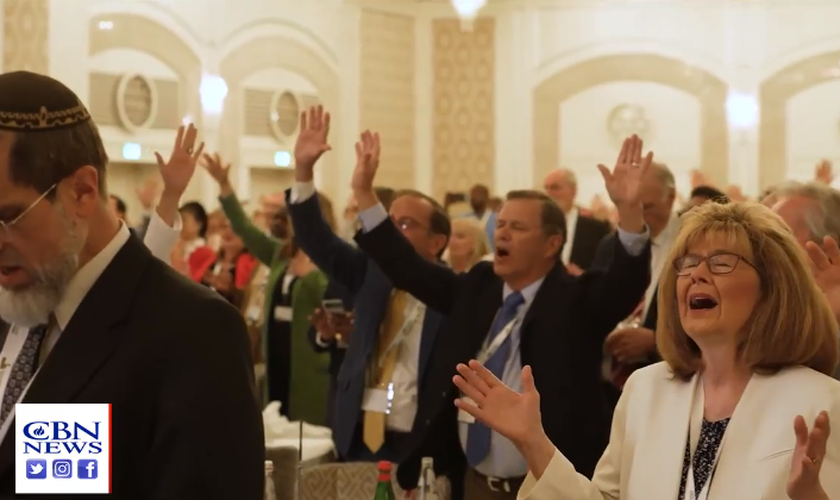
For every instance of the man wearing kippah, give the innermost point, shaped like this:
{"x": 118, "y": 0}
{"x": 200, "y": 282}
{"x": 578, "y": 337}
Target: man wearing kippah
{"x": 95, "y": 318}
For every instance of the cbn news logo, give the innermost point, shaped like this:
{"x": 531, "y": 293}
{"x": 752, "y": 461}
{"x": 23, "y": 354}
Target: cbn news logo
{"x": 62, "y": 448}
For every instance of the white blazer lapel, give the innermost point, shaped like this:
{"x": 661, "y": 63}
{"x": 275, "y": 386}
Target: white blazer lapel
{"x": 660, "y": 446}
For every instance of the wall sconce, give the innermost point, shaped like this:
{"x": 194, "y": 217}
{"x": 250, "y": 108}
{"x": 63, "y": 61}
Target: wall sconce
{"x": 741, "y": 110}
{"x": 467, "y": 11}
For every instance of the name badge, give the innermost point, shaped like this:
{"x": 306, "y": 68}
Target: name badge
{"x": 253, "y": 314}
{"x": 282, "y": 313}
{"x": 463, "y": 416}
{"x": 376, "y": 400}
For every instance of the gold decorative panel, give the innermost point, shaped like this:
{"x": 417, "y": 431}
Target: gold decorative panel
{"x": 709, "y": 90}
{"x": 464, "y": 113}
{"x": 387, "y": 92}
{"x": 285, "y": 114}
{"x": 773, "y": 96}
{"x": 26, "y": 35}
{"x": 104, "y": 101}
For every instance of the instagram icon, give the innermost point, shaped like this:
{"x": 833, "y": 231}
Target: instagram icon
{"x": 62, "y": 469}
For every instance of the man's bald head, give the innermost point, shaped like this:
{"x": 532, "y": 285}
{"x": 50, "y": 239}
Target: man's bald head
{"x": 561, "y": 186}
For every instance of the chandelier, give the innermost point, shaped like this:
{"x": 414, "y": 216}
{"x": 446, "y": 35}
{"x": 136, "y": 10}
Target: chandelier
{"x": 467, "y": 11}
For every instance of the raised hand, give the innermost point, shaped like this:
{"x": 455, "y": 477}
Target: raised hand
{"x": 513, "y": 415}
{"x": 808, "y": 455}
{"x": 825, "y": 264}
{"x": 367, "y": 162}
{"x": 217, "y": 170}
{"x": 624, "y": 182}
{"x": 178, "y": 171}
{"x": 311, "y": 142}
{"x": 824, "y": 172}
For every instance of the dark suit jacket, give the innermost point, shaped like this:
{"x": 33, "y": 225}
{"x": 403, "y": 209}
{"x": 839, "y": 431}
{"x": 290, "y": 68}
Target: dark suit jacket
{"x": 603, "y": 260}
{"x": 588, "y": 234}
{"x": 172, "y": 357}
{"x": 562, "y": 338}
{"x": 371, "y": 291}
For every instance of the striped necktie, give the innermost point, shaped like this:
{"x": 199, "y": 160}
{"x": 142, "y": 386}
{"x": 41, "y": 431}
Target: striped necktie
{"x": 23, "y": 369}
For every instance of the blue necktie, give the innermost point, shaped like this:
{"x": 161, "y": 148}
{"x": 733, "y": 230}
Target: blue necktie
{"x": 23, "y": 369}
{"x": 478, "y": 434}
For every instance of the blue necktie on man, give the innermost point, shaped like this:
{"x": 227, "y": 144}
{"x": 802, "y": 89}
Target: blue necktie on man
{"x": 478, "y": 434}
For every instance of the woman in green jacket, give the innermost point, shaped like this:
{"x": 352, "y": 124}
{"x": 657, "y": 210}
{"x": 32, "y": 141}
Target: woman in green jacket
{"x": 296, "y": 375}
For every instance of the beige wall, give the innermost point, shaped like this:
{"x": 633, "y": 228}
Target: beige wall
{"x": 387, "y": 93}
{"x": 464, "y": 113}
{"x": 26, "y": 35}
{"x": 710, "y": 91}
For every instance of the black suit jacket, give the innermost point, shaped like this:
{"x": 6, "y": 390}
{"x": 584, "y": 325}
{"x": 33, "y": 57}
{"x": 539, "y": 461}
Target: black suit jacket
{"x": 588, "y": 234}
{"x": 173, "y": 359}
{"x": 562, "y": 338}
{"x": 603, "y": 260}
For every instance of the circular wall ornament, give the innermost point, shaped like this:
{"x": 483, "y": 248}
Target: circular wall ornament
{"x": 137, "y": 101}
{"x": 625, "y": 120}
{"x": 285, "y": 115}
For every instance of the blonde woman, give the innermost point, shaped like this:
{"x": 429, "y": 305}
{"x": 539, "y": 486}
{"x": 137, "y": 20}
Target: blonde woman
{"x": 467, "y": 245}
{"x": 740, "y": 407}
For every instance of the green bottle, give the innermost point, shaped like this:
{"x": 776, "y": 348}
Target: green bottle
{"x": 384, "y": 489}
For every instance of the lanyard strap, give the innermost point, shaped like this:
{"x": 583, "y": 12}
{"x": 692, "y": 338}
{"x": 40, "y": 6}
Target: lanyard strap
{"x": 696, "y": 422}
{"x": 408, "y": 325}
{"x": 489, "y": 350}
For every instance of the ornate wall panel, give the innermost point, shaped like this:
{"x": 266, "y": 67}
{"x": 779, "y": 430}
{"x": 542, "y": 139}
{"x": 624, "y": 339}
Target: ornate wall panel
{"x": 387, "y": 92}
{"x": 26, "y": 35}
{"x": 464, "y": 113}
{"x": 709, "y": 90}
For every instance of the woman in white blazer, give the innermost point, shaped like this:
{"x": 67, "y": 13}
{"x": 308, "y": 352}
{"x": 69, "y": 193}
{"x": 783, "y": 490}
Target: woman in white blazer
{"x": 748, "y": 340}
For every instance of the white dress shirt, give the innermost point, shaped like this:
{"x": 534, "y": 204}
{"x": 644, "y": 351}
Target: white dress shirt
{"x": 160, "y": 239}
{"x": 78, "y": 287}
{"x": 571, "y": 227}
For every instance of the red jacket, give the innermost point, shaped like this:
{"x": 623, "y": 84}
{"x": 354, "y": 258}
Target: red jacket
{"x": 202, "y": 259}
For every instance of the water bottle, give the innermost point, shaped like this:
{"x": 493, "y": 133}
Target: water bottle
{"x": 384, "y": 488}
{"x": 426, "y": 484}
{"x": 269, "y": 493}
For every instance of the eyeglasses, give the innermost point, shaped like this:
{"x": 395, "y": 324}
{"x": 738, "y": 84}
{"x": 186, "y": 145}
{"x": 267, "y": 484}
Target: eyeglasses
{"x": 719, "y": 263}
{"x": 405, "y": 223}
{"x": 7, "y": 226}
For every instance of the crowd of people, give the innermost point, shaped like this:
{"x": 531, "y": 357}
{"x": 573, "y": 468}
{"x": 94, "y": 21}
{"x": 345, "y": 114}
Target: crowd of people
{"x": 651, "y": 346}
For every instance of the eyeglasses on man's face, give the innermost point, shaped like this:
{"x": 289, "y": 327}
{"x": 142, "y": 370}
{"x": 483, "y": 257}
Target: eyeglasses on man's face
{"x": 719, "y": 263}
{"x": 6, "y": 227}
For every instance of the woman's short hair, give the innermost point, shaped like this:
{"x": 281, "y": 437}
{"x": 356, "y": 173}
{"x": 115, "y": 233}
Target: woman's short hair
{"x": 792, "y": 323}
{"x": 481, "y": 246}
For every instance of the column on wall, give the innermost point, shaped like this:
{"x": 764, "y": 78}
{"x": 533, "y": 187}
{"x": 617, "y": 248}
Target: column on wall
{"x": 26, "y": 35}
{"x": 464, "y": 105}
{"x": 387, "y": 91}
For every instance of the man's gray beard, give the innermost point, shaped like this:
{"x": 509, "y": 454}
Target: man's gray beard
{"x": 33, "y": 305}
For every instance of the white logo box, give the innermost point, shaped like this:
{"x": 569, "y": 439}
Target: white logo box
{"x": 62, "y": 432}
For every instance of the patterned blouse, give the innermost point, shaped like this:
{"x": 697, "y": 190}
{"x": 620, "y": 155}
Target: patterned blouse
{"x": 711, "y": 434}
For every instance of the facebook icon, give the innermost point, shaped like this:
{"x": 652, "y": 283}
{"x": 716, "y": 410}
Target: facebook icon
{"x": 87, "y": 469}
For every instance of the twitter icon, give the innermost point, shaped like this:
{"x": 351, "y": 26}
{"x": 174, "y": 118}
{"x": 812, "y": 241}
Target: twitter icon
{"x": 36, "y": 469}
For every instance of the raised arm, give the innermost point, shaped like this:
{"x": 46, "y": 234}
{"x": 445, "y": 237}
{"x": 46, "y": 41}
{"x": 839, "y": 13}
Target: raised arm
{"x": 164, "y": 226}
{"x": 260, "y": 245}
{"x": 625, "y": 279}
{"x": 433, "y": 284}
{"x": 340, "y": 260}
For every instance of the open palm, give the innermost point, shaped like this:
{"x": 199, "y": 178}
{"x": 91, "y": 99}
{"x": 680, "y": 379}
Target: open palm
{"x": 624, "y": 182}
{"x": 367, "y": 161}
{"x": 808, "y": 456}
{"x": 178, "y": 171}
{"x": 825, "y": 264}
{"x": 511, "y": 414}
{"x": 217, "y": 170}
{"x": 312, "y": 139}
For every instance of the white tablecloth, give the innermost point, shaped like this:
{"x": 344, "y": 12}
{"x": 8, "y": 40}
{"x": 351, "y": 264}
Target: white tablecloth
{"x": 314, "y": 449}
